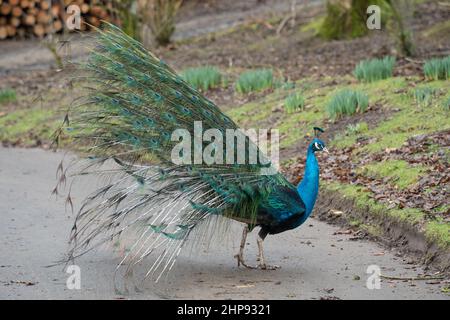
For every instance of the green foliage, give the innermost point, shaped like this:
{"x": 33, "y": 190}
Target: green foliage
{"x": 437, "y": 69}
{"x": 203, "y": 78}
{"x": 159, "y": 16}
{"x": 7, "y": 95}
{"x": 353, "y": 129}
{"x": 288, "y": 85}
{"x": 447, "y": 104}
{"x": 129, "y": 21}
{"x": 423, "y": 96}
{"x": 374, "y": 69}
{"x": 255, "y": 80}
{"x": 294, "y": 102}
{"x": 347, "y": 102}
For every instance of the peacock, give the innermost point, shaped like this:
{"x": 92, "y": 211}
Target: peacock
{"x": 134, "y": 102}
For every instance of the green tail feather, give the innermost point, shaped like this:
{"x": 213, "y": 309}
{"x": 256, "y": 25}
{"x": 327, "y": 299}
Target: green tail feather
{"x": 137, "y": 101}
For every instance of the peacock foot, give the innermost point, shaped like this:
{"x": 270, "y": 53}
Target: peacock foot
{"x": 240, "y": 260}
{"x": 264, "y": 266}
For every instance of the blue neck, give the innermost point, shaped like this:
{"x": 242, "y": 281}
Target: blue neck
{"x": 309, "y": 186}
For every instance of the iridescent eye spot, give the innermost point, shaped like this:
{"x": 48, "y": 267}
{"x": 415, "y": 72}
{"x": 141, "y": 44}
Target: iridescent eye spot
{"x": 154, "y": 142}
{"x": 169, "y": 117}
{"x": 150, "y": 122}
{"x": 165, "y": 135}
{"x": 157, "y": 97}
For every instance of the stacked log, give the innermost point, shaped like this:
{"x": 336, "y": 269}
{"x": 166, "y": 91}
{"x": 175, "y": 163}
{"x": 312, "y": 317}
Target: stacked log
{"x": 27, "y": 18}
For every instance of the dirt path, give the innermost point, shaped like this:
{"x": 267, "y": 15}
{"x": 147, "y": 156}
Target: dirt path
{"x": 316, "y": 262}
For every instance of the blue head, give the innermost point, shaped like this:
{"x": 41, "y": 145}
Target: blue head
{"x": 317, "y": 145}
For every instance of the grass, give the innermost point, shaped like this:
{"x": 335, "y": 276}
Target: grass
{"x": 438, "y": 30}
{"x": 399, "y": 172}
{"x": 7, "y": 96}
{"x": 374, "y": 69}
{"x": 423, "y": 96}
{"x": 203, "y": 78}
{"x": 28, "y": 125}
{"x": 409, "y": 118}
{"x": 347, "y": 102}
{"x": 446, "y": 104}
{"x": 437, "y": 68}
{"x": 255, "y": 80}
{"x": 357, "y": 128}
{"x": 294, "y": 102}
{"x": 352, "y": 132}
{"x": 438, "y": 231}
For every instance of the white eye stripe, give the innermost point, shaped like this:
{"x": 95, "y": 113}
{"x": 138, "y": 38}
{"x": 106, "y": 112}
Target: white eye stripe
{"x": 316, "y": 145}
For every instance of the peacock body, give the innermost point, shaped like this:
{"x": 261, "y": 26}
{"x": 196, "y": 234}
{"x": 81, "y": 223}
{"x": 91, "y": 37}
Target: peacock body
{"x": 134, "y": 104}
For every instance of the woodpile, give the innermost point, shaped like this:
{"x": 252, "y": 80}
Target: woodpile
{"x": 28, "y": 18}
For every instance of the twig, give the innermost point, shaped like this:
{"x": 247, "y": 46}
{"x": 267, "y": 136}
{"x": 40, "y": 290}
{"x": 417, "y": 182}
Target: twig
{"x": 414, "y": 61}
{"x": 291, "y": 16}
{"x": 283, "y": 23}
{"x": 411, "y": 278}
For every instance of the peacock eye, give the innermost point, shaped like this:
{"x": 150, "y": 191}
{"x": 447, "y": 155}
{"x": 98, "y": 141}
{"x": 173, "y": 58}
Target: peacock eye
{"x": 317, "y": 145}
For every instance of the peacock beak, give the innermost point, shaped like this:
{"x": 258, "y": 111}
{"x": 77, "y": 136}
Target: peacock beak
{"x": 325, "y": 149}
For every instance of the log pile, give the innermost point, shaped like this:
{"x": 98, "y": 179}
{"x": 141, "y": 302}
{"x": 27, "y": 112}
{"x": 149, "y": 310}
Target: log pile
{"x": 28, "y": 18}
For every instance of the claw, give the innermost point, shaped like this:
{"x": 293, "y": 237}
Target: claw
{"x": 268, "y": 267}
{"x": 240, "y": 260}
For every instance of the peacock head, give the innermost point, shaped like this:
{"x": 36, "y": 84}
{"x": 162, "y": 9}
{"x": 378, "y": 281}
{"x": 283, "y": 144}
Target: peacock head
{"x": 317, "y": 144}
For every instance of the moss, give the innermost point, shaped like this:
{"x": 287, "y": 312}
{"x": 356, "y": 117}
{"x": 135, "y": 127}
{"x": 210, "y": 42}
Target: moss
{"x": 409, "y": 215}
{"x": 343, "y": 22}
{"x": 354, "y": 222}
{"x": 442, "y": 209}
{"x": 399, "y": 172}
{"x": 363, "y": 201}
{"x": 313, "y": 26}
{"x": 371, "y": 229}
{"x": 394, "y": 132}
{"x": 438, "y": 231}
{"x": 352, "y": 133}
{"x": 28, "y": 125}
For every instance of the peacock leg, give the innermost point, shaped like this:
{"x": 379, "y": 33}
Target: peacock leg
{"x": 261, "y": 261}
{"x": 240, "y": 256}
